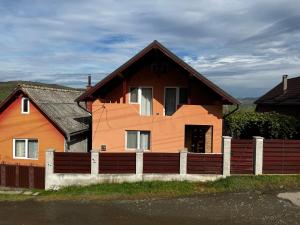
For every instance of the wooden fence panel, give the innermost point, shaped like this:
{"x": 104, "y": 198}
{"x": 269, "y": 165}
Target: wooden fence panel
{"x": 10, "y": 176}
{"x": 204, "y": 163}
{"x": 242, "y": 157}
{"x": 281, "y": 157}
{"x": 39, "y": 177}
{"x": 112, "y": 163}
{"x": 72, "y": 162}
{"x": 161, "y": 163}
{"x": 20, "y": 176}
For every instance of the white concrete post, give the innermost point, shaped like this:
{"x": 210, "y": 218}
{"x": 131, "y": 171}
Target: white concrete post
{"x": 139, "y": 161}
{"x": 183, "y": 161}
{"x": 258, "y": 154}
{"x": 226, "y": 149}
{"x": 49, "y": 162}
{"x": 94, "y": 162}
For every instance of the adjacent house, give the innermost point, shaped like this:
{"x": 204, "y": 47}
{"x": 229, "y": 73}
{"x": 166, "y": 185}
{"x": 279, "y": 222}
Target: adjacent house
{"x": 156, "y": 102}
{"x": 34, "y": 119}
{"x": 283, "y": 98}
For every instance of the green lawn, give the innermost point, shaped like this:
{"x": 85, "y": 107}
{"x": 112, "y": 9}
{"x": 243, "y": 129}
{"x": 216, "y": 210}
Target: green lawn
{"x": 146, "y": 190}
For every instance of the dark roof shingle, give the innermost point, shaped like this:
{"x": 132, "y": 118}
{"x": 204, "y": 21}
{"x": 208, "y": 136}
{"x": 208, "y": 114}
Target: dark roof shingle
{"x": 277, "y": 96}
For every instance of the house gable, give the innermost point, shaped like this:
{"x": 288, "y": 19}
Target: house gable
{"x": 34, "y": 125}
{"x": 161, "y": 54}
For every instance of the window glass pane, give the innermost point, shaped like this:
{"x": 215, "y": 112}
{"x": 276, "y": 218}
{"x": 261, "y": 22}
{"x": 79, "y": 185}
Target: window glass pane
{"x": 134, "y": 95}
{"x": 20, "y": 148}
{"x": 146, "y": 102}
{"x": 32, "y": 149}
{"x": 25, "y": 104}
{"x": 170, "y": 101}
{"x": 183, "y": 96}
{"x": 145, "y": 140}
{"x": 132, "y": 139}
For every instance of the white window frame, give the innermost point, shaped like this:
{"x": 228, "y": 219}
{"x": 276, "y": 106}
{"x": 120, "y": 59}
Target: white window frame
{"x": 26, "y": 148}
{"x": 22, "y": 106}
{"x": 138, "y": 140}
{"x": 140, "y": 97}
{"x": 177, "y": 97}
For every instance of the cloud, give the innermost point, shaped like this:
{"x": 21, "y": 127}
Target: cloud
{"x": 243, "y": 46}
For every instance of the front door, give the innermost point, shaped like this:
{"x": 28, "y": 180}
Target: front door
{"x": 195, "y": 138}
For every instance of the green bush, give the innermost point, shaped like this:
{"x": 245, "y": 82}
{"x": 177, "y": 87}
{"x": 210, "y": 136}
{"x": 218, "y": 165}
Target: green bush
{"x": 268, "y": 125}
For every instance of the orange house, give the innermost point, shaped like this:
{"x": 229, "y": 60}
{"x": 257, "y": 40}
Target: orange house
{"x": 156, "y": 102}
{"x": 34, "y": 119}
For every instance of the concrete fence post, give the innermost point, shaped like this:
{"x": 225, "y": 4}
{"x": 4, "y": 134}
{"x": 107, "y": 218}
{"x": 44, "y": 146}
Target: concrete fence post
{"x": 226, "y": 149}
{"x": 49, "y": 162}
{"x": 139, "y": 162}
{"x": 183, "y": 162}
{"x": 258, "y": 154}
{"x": 94, "y": 162}
{"x": 49, "y": 168}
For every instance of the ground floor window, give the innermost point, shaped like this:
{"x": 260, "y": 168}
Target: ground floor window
{"x": 137, "y": 139}
{"x": 25, "y": 148}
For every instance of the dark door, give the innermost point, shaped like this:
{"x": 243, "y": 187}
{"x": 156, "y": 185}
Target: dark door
{"x": 195, "y": 139}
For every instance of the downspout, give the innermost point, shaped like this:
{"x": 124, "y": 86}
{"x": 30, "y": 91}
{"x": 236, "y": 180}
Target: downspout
{"x": 228, "y": 114}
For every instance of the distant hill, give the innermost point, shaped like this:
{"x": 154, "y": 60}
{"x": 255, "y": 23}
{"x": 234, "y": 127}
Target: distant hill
{"x": 7, "y": 87}
{"x": 247, "y": 104}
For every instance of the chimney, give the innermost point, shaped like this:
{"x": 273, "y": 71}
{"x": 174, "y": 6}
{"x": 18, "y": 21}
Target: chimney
{"x": 284, "y": 83}
{"x": 89, "y": 103}
{"x": 89, "y": 85}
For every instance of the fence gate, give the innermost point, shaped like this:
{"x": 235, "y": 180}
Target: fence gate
{"x": 20, "y": 176}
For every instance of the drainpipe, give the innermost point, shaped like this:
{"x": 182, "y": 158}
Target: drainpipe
{"x": 228, "y": 114}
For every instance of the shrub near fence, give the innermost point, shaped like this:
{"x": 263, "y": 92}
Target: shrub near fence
{"x": 281, "y": 157}
{"x": 22, "y": 176}
{"x": 161, "y": 163}
{"x": 72, "y": 162}
{"x": 242, "y": 157}
{"x": 204, "y": 163}
{"x": 117, "y": 163}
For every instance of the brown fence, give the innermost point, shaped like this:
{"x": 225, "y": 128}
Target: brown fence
{"x": 117, "y": 162}
{"x": 281, "y": 157}
{"x": 242, "y": 157}
{"x": 20, "y": 176}
{"x": 204, "y": 163}
{"x": 71, "y": 162}
{"x": 161, "y": 163}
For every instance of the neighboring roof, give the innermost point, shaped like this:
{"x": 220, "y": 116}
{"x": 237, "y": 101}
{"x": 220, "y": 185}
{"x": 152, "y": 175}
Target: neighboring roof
{"x": 156, "y": 45}
{"x": 276, "y": 96}
{"x": 57, "y": 105}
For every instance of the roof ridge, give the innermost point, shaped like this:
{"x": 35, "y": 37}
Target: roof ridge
{"x": 48, "y": 88}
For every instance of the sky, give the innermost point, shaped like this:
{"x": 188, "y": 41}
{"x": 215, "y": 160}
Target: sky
{"x": 243, "y": 46}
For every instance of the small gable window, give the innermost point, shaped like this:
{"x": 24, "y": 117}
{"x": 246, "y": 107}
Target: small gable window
{"x": 25, "y": 106}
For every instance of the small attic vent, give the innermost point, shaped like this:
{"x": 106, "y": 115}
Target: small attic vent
{"x": 159, "y": 68}
{"x": 103, "y": 148}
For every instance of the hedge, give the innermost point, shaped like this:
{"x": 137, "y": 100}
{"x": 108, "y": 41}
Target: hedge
{"x": 270, "y": 125}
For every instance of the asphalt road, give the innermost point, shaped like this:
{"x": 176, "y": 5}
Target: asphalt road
{"x": 246, "y": 208}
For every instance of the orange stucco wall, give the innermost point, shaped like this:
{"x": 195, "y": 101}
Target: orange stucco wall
{"x": 13, "y": 124}
{"x": 110, "y": 121}
{"x": 112, "y": 117}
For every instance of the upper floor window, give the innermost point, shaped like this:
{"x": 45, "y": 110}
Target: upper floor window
{"x": 142, "y": 96}
{"x": 25, "y": 106}
{"x": 174, "y": 96}
{"x": 25, "y": 148}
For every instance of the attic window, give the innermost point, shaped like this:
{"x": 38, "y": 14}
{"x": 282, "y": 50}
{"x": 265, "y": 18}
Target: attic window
{"x": 25, "y": 106}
